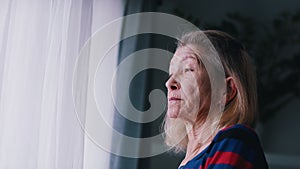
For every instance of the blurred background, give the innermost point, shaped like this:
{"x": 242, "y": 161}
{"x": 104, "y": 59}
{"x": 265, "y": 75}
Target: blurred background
{"x": 39, "y": 46}
{"x": 270, "y": 32}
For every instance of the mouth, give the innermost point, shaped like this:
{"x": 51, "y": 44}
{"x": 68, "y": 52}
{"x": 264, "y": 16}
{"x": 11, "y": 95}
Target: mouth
{"x": 174, "y": 99}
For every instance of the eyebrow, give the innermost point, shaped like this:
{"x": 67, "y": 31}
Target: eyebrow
{"x": 188, "y": 57}
{"x": 185, "y": 58}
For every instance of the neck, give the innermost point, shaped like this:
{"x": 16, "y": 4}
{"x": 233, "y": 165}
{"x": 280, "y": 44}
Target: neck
{"x": 196, "y": 144}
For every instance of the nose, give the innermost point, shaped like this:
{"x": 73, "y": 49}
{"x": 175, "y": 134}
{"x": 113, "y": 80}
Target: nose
{"x": 172, "y": 84}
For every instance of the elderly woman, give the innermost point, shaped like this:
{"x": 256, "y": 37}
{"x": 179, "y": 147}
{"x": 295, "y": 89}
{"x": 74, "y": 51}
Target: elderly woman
{"x": 213, "y": 138}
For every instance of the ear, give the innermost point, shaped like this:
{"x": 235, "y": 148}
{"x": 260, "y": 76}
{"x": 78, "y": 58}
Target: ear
{"x": 231, "y": 89}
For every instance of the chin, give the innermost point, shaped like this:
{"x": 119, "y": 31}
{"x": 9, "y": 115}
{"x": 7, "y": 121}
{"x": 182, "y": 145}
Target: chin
{"x": 172, "y": 114}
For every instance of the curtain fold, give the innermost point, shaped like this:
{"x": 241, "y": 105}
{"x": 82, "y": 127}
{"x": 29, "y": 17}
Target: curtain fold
{"x": 39, "y": 44}
{"x": 40, "y": 95}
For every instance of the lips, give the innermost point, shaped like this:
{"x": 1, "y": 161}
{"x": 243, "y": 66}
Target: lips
{"x": 174, "y": 99}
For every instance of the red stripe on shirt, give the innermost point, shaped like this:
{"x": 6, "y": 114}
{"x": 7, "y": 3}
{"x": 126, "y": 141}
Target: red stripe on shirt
{"x": 228, "y": 158}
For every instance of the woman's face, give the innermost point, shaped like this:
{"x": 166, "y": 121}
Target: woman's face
{"x": 186, "y": 81}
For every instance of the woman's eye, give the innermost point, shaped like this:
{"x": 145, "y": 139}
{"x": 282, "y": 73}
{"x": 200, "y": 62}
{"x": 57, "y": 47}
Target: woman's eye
{"x": 188, "y": 70}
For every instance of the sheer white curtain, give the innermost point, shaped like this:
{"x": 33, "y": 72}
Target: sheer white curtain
{"x": 39, "y": 43}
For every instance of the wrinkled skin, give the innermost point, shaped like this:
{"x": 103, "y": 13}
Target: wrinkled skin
{"x": 187, "y": 85}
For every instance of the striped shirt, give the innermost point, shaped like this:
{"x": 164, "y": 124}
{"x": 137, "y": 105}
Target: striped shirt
{"x": 235, "y": 147}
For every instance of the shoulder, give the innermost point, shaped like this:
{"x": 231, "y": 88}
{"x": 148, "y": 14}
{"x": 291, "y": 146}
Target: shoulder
{"x": 238, "y": 132}
{"x": 236, "y": 146}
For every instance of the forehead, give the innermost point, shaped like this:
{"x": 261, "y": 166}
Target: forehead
{"x": 182, "y": 54}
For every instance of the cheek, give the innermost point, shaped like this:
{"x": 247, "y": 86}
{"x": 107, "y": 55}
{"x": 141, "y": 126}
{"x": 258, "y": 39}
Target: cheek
{"x": 205, "y": 88}
{"x": 197, "y": 92}
{"x": 190, "y": 90}
{"x": 192, "y": 97}
{"x": 191, "y": 105}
